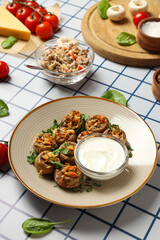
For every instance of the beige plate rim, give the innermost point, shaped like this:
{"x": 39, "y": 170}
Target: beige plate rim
{"x": 70, "y": 205}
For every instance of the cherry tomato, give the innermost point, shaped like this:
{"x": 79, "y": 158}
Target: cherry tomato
{"x": 4, "y": 69}
{"x": 32, "y": 4}
{"x": 22, "y": 13}
{"x": 44, "y": 30}
{"x": 3, "y": 153}
{"x": 32, "y": 21}
{"x": 41, "y": 10}
{"x": 13, "y": 7}
{"x": 52, "y": 19}
{"x": 139, "y": 16}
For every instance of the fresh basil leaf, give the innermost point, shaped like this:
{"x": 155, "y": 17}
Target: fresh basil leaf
{"x": 9, "y": 42}
{"x": 31, "y": 158}
{"x": 102, "y": 8}
{"x": 39, "y": 225}
{"x": 4, "y": 110}
{"x": 125, "y": 39}
{"x": 115, "y": 96}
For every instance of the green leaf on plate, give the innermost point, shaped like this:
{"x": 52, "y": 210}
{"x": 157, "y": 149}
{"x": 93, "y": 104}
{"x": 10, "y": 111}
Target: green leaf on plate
{"x": 125, "y": 39}
{"x": 4, "y": 111}
{"x": 115, "y": 96}
{"x": 102, "y": 8}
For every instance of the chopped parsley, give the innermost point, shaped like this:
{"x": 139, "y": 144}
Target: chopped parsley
{"x": 55, "y": 125}
{"x": 31, "y": 158}
{"x": 130, "y": 154}
{"x": 56, "y": 164}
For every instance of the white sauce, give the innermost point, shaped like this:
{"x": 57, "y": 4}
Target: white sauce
{"x": 101, "y": 154}
{"x": 151, "y": 29}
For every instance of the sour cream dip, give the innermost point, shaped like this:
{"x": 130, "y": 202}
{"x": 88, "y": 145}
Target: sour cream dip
{"x": 101, "y": 154}
{"x": 151, "y": 28}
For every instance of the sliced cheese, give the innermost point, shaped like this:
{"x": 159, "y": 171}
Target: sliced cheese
{"x": 11, "y": 26}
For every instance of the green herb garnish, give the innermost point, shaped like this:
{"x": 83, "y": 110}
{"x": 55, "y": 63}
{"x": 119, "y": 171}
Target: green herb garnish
{"x": 4, "y": 110}
{"x": 39, "y": 225}
{"x": 130, "y": 151}
{"x": 89, "y": 189}
{"x": 55, "y": 125}
{"x": 102, "y": 8}
{"x": 65, "y": 151}
{"x": 31, "y": 158}
{"x": 113, "y": 126}
{"x": 82, "y": 128}
{"x": 125, "y": 39}
{"x": 57, "y": 165}
{"x": 97, "y": 184}
{"x": 9, "y": 42}
{"x": 115, "y": 96}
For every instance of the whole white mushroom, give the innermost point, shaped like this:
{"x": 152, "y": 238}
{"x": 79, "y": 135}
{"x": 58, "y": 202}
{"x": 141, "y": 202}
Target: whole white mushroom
{"x": 116, "y": 13}
{"x": 136, "y": 6}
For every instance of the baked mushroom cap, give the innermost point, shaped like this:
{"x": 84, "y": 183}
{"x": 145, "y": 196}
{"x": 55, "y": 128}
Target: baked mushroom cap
{"x": 43, "y": 164}
{"x": 83, "y": 134}
{"x": 117, "y": 132}
{"x": 62, "y": 134}
{"x": 97, "y": 124}
{"x": 44, "y": 141}
{"x": 72, "y": 120}
{"x": 69, "y": 156}
{"x": 68, "y": 176}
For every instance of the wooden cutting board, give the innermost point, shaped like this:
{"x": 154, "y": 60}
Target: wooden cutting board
{"x": 100, "y": 35}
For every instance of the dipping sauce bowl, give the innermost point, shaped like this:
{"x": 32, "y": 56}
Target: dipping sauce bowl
{"x": 101, "y": 156}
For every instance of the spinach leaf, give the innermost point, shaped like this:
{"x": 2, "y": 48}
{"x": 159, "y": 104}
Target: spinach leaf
{"x": 102, "y": 8}
{"x": 39, "y": 225}
{"x": 115, "y": 96}
{"x": 9, "y": 42}
{"x": 4, "y": 111}
{"x": 31, "y": 158}
{"x": 125, "y": 39}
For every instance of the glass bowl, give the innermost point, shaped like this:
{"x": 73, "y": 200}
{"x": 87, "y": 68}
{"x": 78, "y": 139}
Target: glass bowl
{"x": 116, "y": 148}
{"x": 63, "y": 78}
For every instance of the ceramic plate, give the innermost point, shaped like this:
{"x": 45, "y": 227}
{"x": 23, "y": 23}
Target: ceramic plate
{"x": 139, "y": 135}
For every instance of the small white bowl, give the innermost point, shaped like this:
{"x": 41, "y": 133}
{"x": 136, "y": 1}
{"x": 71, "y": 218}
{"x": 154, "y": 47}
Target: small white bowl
{"x": 99, "y": 175}
{"x": 67, "y": 78}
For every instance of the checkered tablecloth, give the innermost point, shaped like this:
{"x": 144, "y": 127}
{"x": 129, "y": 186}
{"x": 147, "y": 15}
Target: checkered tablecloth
{"x": 135, "y": 218}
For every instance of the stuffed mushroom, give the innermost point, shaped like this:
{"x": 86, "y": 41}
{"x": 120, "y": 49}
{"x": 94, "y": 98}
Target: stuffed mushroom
{"x": 67, "y": 152}
{"x": 45, "y": 162}
{"x": 68, "y": 176}
{"x": 72, "y": 120}
{"x": 117, "y": 132}
{"x": 44, "y": 142}
{"x": 61, "y": 134}
{"x": 83, "y": 134}
{"x": 97, "y": 124}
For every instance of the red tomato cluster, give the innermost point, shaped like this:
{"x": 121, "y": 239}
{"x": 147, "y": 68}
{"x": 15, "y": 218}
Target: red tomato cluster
{"x": 35, "y": 17}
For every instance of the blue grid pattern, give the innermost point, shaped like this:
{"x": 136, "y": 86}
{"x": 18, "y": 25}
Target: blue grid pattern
{"x": 138, "y": 217}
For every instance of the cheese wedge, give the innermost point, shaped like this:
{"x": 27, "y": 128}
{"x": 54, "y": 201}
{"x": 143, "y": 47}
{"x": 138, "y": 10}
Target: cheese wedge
{"x": 11, "y": 26}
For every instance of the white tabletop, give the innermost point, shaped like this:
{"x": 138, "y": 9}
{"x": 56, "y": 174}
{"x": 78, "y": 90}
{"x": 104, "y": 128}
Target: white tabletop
{"x": 135, "y": 218}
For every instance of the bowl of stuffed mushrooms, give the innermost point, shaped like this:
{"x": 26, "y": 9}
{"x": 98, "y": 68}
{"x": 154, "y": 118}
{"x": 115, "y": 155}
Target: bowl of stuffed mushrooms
{"x": 65, "y": 60}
